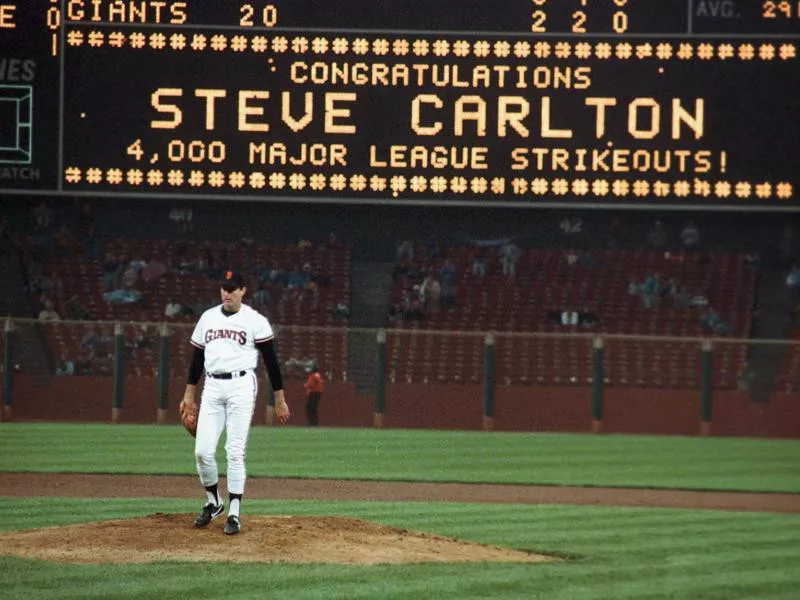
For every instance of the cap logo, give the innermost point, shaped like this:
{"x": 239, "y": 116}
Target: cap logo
{"x": 229, "y": 275}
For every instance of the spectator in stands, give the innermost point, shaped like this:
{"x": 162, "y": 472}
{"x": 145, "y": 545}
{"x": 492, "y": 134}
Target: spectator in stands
{"x": 261, "y": 273}
{"x": 49, "y": 313}
{"x": 698, "y": 300}
{"x": 650, "y": 289}
{"x": 172, "y": 309}
{"x": 186, "y": 265}
{"x": 405, "y": 258}
{"x": 447, "y": 275}
{"x": 711, "y": 321}
{"x": 430, "y": 293}
{"x": 448, "y": 272}
{"x": 690, "y": 235}
{"x": 657, "y": 238}
{"x": 333, "y": 242}
{"x": 137, "y": 264}
{"x": 509, "y": 256}
{"x": 90, "y": 342}
{"x": 111, "y": 272}
{"x": 84, "y": 365}
{"x": 42, "y": 215}
{"x": 130, "y": 277}
{"x": 182, "y": 219}
{"x": 199, "y": 307}
{"x": 587, "y": 318}
{"x": 278, "y": 275}
{"x": 412, "y": 308}
{"x": 139, "y": 340}
{"x": 123, "y": 296}
{"x": 153, "y": 270}
{"x": 677, "y": 291}
{"x": 260, "y": 295}
{"x": 39, "y": 283}
{"x": 37, "y": 304}
{"x": 571, "y": 256}
{"x": 63, "y": 241}
{"x": 478, "y": 266}
{"x": 752, "y": 259}
{"x": 395, "y": 313}
{"x": 321, "y": 278}
{"x": 201, "y": 265}
{"x": 65, "y": 366}
{"x": 341, "y": 311}
{"x": 127, "y": 293}
{"x": 448, "y": 297}
{"x": 76, "y": 311}
{"x": 297, "y": 279}
{"x": 793, "y": 277}
{"x": 569, "y": 317}
{"x": 247, "y": 240}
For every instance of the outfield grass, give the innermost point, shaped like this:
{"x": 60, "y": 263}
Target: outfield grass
{"x": 618, "y": 553}
{"x": 420, "y": 455}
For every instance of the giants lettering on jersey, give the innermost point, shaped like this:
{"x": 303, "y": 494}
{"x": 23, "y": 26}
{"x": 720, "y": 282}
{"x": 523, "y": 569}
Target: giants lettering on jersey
{"x": 226, "y": 334}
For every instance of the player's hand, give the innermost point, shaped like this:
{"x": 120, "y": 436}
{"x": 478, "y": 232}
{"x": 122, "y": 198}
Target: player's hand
{"x": 281, "y": 408}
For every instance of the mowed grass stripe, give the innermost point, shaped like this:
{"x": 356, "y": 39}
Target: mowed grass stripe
{"x": 628, "y": 553}
{"x": 412, "y": 455}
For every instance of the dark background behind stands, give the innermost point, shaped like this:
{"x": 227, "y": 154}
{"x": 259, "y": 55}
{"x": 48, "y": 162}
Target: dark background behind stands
{"x": 373, "y": 232}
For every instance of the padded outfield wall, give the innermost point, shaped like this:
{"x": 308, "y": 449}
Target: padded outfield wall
{"x": 436, "y": 406}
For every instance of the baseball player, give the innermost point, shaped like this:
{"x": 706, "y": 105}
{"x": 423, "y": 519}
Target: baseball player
{"x": 314, "y": 386}
{"x": 227, "y": 341}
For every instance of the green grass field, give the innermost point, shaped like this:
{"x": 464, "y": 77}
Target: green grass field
{"x": 613, "y": 553}
{"x": 416, "y": 455}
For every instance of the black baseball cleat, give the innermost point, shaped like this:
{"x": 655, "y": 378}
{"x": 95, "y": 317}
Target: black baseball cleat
{"x": 232, "y": 525}
{"x": 209, "y": 512}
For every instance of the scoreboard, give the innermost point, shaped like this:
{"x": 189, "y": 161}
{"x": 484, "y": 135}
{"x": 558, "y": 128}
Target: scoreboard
{"x": 589, "y": 103}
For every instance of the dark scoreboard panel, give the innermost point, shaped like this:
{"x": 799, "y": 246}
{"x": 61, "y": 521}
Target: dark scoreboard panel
{"x": 516, "y": 103}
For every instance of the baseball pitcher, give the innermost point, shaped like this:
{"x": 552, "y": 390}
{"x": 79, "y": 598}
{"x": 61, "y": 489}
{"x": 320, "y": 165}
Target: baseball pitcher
{"x": 227, "y": 342}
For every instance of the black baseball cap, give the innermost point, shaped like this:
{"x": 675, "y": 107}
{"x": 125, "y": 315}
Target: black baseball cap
{"x": 231, "y": 280}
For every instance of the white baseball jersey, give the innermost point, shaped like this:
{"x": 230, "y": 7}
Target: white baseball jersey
{"x": 230, "y": 341}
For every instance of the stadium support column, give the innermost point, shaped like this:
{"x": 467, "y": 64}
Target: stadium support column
{"x": 598, "y": 383}
{"x": 8, "y": 368}
{"x": 488, "y": 382}
{"x": 707, "y": 389}
{"x": 380, "y": 381}
{"x": 119, "y": 373}
{"x": 163, "y": 373}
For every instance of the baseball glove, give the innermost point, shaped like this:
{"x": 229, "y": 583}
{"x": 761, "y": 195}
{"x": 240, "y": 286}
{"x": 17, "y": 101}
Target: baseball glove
{"x": 188, "y": 411}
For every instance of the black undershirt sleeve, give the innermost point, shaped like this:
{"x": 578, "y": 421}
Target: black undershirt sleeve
{"x": 196, "y": 368}
{"x": 267, "y": 350}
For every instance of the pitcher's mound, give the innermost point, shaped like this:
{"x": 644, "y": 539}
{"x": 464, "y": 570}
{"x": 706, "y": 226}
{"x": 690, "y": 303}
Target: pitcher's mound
{"x": 272, "y": 539}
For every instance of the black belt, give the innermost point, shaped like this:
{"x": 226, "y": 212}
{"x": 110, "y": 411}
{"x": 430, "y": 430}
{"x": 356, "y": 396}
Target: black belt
{"x": 233, "y": 375}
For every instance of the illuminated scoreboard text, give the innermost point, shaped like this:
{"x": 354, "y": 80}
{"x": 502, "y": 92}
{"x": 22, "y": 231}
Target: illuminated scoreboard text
{"x": 523, "y": 103}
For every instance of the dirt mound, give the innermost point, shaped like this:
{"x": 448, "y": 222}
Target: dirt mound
{"x": 268, "y": 539}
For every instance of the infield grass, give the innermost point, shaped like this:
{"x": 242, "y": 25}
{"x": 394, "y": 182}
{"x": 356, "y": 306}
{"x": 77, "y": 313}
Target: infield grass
{"x": 619, "y": 553}
{"x": 419, "y": 455}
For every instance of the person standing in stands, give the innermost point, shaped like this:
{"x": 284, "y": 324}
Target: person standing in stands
{"x": 314, "y": 388}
